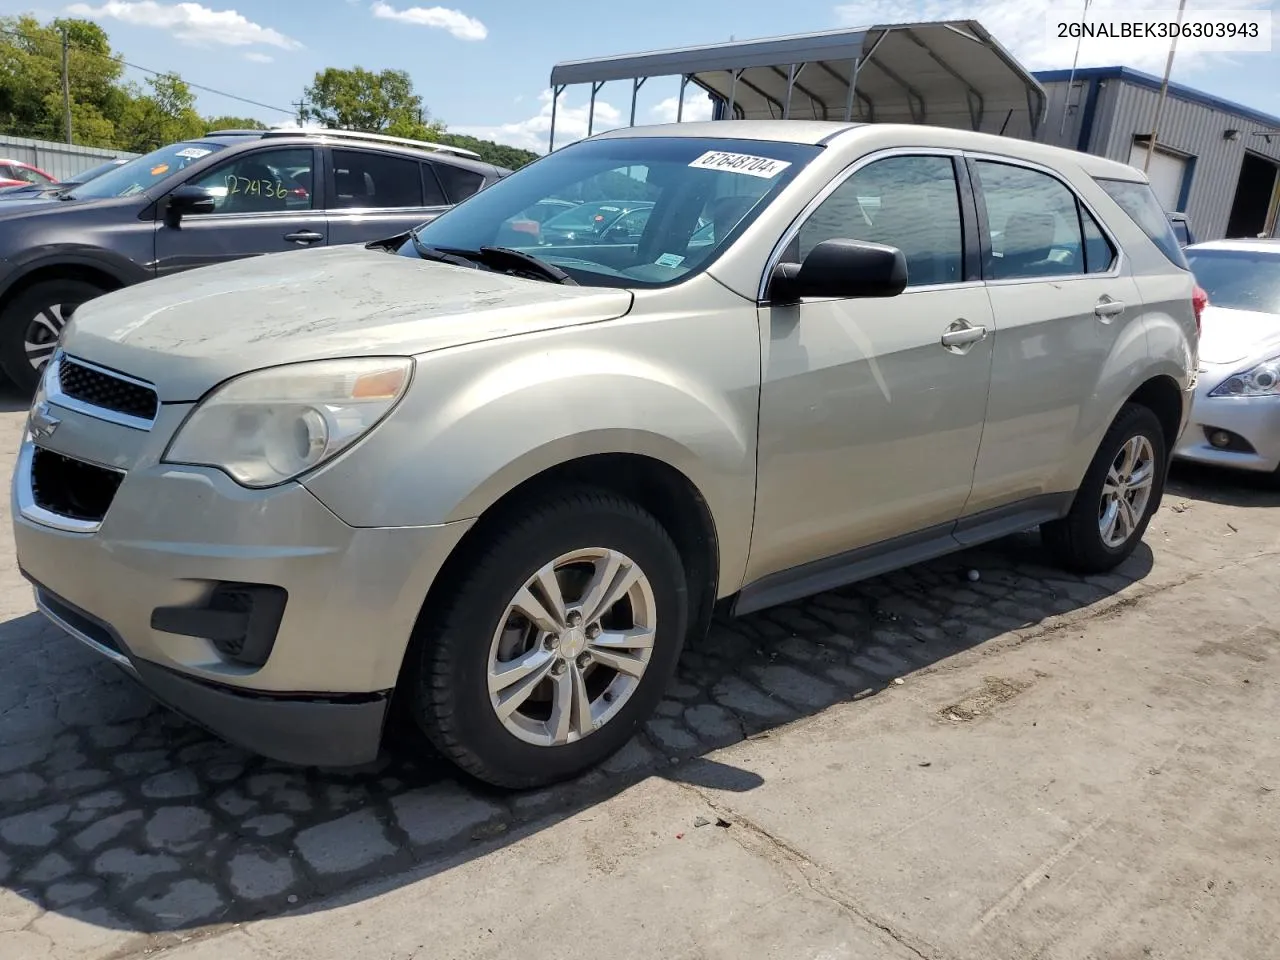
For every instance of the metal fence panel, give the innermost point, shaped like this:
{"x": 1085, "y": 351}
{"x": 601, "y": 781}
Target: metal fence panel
{"x": 60, "y": 160}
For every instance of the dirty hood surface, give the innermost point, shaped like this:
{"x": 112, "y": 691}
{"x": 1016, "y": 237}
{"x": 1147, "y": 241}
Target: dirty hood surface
{"x": 1229, "y": 336}
{"x": 188, "y": 332}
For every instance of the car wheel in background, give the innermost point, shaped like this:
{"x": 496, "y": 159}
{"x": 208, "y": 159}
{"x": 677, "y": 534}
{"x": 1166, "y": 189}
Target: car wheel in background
{"x": 1119, "y": 494}
{"x": 31, "y": 323}
{"x": 545, "y": 649}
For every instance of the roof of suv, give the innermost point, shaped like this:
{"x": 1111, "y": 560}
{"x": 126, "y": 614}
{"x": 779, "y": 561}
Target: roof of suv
{"x": 822, "y": 132}
{"x": 443, "y": 154}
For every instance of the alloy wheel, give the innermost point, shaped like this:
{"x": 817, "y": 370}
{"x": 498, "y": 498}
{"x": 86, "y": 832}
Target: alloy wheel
{"x": 1126, "y": 491}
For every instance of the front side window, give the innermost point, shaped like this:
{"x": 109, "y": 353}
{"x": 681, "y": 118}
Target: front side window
{"x": 362, "y": 179}
{"x": 1034, "y": 221}
{"x": 144, "y": 172}
{"x": 908, "y": 202}
{"x": 1139, "y": 201}
{"x": 657, "y": 191}
{"x": 264, "y": 181}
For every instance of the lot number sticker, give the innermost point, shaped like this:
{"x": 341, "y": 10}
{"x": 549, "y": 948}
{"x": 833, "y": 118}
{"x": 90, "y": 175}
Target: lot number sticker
{"x": 743, "y": 163}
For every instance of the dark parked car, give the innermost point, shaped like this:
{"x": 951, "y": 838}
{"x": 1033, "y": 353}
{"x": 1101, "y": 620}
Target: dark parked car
{"x": 1182, "y": 229}
{"x": 39, "y": 189}
{"x": 603, "y": 221}
{"x": 230, "y": 194}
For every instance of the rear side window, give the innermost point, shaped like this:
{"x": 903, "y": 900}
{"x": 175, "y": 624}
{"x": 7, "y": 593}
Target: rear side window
{"x": 458, "y": 182}
{"x": 1035, "y": 224}
{"x": 375, "y": 180}
{"x": 1140, "y": 203}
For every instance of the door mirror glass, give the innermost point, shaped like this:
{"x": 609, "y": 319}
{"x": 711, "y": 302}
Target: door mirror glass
{"x": 186, "y": 199}
{"x": 842, "y": 269}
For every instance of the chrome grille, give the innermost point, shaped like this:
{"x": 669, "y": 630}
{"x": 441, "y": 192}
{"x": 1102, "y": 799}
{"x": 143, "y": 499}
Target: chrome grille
{"x": 97, "y": 387}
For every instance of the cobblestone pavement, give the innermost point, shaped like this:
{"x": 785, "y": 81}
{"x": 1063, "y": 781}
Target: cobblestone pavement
{"x": 121, "y": 819}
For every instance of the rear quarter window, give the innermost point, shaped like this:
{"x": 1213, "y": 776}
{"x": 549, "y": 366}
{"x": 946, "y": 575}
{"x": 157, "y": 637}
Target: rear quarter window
{"x": 1139, "y": 201}
{"x": 458, "y": 182}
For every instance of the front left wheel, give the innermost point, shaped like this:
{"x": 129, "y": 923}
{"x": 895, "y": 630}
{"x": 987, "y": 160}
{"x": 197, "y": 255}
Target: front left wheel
{"x": 554, "y": 644}
{"x": 31, "y": 324}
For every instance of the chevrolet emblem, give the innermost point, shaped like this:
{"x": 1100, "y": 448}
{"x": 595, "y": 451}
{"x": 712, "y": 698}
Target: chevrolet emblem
{"x": 42, "y": 422}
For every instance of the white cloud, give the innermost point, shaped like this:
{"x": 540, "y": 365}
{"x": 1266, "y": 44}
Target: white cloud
{"x": 532, "y": 134}
{"x": 189, "y": 22}
{"x": 441, "y": 18}
{"x": 1022, "y": 28}
{"x": 697, "y": 106}
{"x": 254, "y": 57}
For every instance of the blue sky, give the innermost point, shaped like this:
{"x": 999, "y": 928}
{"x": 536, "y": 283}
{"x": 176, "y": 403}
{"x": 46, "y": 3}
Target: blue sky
{"x": 482, "y": 65}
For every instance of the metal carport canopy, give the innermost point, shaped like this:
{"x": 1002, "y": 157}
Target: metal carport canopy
{"x": 947, "y": 73}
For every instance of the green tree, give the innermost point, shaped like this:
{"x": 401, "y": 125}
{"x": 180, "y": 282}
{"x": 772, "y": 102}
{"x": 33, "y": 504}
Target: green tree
{"x": 166, "y": 114}
{"x": 499, "y": 154}
{"x": 227, "y": 122}
{"x": 359, "y": 99}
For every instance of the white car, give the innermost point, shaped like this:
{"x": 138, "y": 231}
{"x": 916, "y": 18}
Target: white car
{"x": 1235, "y": 419}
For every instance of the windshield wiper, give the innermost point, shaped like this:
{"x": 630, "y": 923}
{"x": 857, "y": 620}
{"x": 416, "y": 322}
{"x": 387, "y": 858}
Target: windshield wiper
{"x": 440, "y": 256}
{"x": 520, "y": 260}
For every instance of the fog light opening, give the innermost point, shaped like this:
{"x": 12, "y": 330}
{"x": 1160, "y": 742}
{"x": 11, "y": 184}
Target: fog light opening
{"x": 1220, "y": 439}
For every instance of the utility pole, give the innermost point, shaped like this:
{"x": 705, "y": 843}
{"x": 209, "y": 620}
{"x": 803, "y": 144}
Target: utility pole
{"x": 1164, "y": 89}
{"x": 1071, "y": 80}
{"x": 66, "y": 82}
{"x": 301, "y": 104}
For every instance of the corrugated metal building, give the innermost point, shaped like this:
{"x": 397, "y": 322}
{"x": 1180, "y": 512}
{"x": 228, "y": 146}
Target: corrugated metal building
{"x": 60, "y": 160}
{"x": 1217, "y": 161}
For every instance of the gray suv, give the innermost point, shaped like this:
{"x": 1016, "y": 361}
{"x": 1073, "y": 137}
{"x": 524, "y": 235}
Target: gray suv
{"x": 502, "y": 485}
{"x": 227, "y": 195}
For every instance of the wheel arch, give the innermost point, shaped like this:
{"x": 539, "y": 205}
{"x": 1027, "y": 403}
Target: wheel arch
{"x": 86, "y": 271}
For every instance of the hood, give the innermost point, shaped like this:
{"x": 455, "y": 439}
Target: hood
{"x": 1229, "y": 336}
{"x": 188, "y": 332}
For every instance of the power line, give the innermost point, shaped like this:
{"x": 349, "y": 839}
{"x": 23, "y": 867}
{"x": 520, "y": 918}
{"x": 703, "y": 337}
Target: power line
{"x": 154, "y": 73}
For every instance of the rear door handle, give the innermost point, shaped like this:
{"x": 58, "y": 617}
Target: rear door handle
{"x": 962, "y": 334}
{"x": 304, "y": 236}
{"x": 1108, "y": 308}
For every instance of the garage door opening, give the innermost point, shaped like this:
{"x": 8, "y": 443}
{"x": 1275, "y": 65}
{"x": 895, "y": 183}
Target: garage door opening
{"x": 1253, "y": 211}
{"x": 1166, "y": 170}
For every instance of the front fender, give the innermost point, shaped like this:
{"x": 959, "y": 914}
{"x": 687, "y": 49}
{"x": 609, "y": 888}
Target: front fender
{"x": 479, "y": 421}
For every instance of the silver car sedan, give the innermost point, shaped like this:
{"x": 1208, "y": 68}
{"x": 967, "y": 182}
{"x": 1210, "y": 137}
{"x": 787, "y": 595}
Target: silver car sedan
{"x": 1235, "y": 419}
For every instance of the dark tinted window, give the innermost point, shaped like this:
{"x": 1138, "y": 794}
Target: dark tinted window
{"x": 1099, "y": 254}
{"x": 458, "y": 183}
{"x": 1035, "y": 229}
{"x": 434, "y": 193}
{"x": 906, "y": 202}
{"x": 1140, "y": 203}
{"x": 263, "y": 181}
{"x": 375, "y": 180}
{"x": 1180, "y": 231}
{"x": 1239, "y": 279}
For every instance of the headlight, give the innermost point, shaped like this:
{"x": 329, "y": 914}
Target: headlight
{"x": 272, "y": 425}
{"x": 1262, "y": 381}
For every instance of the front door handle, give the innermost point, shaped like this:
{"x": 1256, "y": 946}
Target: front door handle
{"x": 304, "y": 237}
{"x": 961, "y": 335}
{"x": 1107, "y": 308}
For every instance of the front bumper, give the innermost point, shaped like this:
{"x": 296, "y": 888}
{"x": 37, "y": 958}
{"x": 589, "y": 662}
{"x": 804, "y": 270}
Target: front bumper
{"x": 172, "y": 536}
{"x": 1253, "y": 420}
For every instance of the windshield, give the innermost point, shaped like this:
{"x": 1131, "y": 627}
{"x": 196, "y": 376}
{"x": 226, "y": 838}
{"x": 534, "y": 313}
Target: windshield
{"x": 638, "y": 205}
{"x": 144, "y": 171}
{"x": 84, "y": 176}
{"x": 1239, "y": 279}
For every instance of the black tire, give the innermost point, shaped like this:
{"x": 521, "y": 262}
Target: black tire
{"x": 1075, "y": 541}
{"x": 18, "y": 318}
{"x": 445, "y": 685}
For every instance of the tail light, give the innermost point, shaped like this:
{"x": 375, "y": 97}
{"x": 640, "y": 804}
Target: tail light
{"x": 1199, "y": 300}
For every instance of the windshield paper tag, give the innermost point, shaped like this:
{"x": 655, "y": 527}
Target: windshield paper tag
{"x": 193, "y": 153}
{"x": 669, "y": 260}
{"x": 762, "y": 167}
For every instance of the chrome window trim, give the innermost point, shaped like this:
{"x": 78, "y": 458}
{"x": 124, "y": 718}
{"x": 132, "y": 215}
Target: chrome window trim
{"x": 113, "y": 655}
{"x": 53, "y": 393}
{"x": 26, "y": 496}
{"x": 1032, "y": 165}
{"x": 775, "y": 255}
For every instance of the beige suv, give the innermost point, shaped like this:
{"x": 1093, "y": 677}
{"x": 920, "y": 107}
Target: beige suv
{"x": 503, "y": 477}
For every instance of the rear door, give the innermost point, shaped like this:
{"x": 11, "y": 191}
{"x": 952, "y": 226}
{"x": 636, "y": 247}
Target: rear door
{"x": 373, "y": 195}
{"x": 1063, "y": 300}
{"x": 266, "y": 203}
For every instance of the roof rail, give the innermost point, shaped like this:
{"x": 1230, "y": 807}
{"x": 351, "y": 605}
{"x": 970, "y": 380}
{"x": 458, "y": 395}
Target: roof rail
{"x": 371, "y": 137}
{"x": 234, "y": 133}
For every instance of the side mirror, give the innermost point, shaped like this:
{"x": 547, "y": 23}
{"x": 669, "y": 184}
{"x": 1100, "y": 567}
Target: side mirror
{"x": 841, "y": 269}
{"x": 188, "y": 199}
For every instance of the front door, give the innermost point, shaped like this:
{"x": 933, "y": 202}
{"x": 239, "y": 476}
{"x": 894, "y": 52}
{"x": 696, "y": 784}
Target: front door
{"x": 1064, "y": 302}
{"x": 871, "y": 411}
{"x": 378, "y": 195}
{"x": 266, "y": 203}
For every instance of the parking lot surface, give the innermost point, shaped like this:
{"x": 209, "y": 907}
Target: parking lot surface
{"x": 1028, "y": 764}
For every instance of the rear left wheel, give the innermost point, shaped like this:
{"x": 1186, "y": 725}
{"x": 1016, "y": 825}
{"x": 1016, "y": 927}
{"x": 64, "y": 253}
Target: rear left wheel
{"x": 555, "y": 645}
